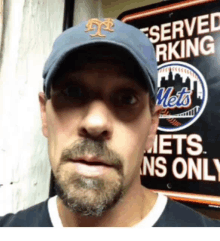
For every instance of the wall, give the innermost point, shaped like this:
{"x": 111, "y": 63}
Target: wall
{"x": 114, "y": 8}
{"x": 87, "y": 9}
{"x": 29, "y": 29}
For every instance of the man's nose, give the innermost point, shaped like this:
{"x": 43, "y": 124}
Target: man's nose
{"x": 96, "y": 122}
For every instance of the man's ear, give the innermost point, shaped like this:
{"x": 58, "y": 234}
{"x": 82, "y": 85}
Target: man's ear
{"x": 153, "y": 129}
{"x": 42, "y": 101}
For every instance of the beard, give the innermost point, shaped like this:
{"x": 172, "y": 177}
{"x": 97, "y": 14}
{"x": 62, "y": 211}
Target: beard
{"x": 89, "y": 196}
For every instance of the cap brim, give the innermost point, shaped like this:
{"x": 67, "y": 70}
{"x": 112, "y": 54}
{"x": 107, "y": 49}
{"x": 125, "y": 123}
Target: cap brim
{"x": 94, "y": 51}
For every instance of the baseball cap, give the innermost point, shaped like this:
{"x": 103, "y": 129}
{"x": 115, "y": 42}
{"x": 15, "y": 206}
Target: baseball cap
{"x": 88, "y": 40}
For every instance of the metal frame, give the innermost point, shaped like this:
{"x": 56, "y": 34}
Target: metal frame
{"x": 68, "y": 14}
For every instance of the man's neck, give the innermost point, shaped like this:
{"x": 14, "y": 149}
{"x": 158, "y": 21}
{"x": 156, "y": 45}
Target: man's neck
{"x": 128, "y": 212}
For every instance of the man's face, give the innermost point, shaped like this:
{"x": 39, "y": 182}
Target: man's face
{"x": 98, "y": 124}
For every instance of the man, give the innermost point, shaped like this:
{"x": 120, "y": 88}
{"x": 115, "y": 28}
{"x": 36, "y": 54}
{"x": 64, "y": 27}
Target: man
{"x": 99, "y": 116}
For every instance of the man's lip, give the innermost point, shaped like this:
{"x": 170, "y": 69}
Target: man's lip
{"x": 91, "y": 160}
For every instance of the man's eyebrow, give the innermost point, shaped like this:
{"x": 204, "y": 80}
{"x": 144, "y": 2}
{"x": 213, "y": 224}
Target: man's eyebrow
{"x": 134, "y": 78}
{"x": 135, "y": 83}
{"x": 66, "y": 81}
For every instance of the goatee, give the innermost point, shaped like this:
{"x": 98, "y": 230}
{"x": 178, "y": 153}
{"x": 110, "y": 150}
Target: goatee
{"x": 90, "y": 196}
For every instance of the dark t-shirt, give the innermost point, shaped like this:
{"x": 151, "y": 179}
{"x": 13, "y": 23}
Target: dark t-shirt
{"x": 174, "y": 215}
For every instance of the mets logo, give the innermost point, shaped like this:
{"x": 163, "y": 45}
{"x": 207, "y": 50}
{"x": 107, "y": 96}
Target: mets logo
{"x": 105, "y": 25}
{"x": 183, "y": 93}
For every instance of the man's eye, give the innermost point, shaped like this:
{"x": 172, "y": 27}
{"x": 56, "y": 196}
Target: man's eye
{"x": 126, "y": 99}
{"x": 73, "y": 91}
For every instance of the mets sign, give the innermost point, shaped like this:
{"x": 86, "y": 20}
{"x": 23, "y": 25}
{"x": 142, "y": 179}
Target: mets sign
{"x": 183, "y": 94}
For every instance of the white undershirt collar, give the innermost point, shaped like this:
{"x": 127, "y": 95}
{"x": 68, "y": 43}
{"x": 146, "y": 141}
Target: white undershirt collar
{"x": 148, "y": 221}
{"x": 53, "y": 212}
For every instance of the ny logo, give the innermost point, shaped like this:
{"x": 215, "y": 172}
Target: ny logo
{"x": 107, "y": 24}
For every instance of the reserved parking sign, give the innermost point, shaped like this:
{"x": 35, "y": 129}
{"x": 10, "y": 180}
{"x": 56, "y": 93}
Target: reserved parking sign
{"x": 184, "y": 162}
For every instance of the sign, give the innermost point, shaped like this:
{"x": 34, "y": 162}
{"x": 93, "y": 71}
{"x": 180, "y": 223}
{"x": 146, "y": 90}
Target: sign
{"x": 184, "y": 162}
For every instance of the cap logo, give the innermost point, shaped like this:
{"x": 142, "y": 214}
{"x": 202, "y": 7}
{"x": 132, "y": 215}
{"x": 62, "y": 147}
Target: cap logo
{"x": 101, "y": 25}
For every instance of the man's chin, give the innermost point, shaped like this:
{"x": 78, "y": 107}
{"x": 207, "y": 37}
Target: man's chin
{"x": 89, "y": 196}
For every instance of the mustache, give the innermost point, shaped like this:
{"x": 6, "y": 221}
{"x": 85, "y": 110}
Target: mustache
{"x": 96, "y": 148}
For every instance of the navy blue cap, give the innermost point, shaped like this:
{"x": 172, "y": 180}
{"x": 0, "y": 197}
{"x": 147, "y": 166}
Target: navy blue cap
{"x": 108, "y": 32}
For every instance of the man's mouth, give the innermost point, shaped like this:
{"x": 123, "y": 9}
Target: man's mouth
{"x": 91, "y": 166}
